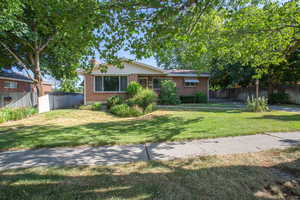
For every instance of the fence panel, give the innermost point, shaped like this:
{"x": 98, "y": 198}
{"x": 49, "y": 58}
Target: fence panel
{"x": 18, "y": 99}
{"x": 241, "y": 94}
{"x": 65, "y": 100}
{"x": 44, "y": 104}
{"x": 59, "y": 100}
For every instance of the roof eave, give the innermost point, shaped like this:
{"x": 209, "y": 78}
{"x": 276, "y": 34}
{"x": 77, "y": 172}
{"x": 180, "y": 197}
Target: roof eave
{"x": 15, "y": 79}
{"x": 189, "y": 75}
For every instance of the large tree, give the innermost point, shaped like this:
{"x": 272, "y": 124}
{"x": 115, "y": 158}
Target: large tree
{"x": 263, "y": 35}
{"x": 56, "y": 37}
{"x": 259, "y": 35}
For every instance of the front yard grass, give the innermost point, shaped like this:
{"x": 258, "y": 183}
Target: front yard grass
{"x": 82, "y": 127}
{"x": 266, "y": 175}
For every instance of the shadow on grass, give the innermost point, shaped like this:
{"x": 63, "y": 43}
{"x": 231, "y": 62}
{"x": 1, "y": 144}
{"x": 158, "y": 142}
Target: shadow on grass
{"x": 188, "y": 179}
{"x": 295, "y": 117}
{"x": 158, "y": 129}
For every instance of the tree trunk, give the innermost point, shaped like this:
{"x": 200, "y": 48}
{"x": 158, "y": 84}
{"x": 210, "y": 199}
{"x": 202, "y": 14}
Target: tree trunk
{"x": 270, "y": 87}
{"x": 257, "y": 88}
{"x": 38, "y": 76}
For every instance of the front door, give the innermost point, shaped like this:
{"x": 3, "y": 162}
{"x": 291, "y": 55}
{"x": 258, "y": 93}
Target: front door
{"x": 143, "y": 82}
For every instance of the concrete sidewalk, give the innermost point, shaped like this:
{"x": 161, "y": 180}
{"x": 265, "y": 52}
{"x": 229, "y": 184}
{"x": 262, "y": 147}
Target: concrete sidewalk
{"x": 109, "y": 155}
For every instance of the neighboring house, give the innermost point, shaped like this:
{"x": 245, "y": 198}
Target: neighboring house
{"x": 99, "y": 86}
{"x": 16, "y": 90}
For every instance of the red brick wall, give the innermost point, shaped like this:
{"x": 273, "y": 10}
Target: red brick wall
{"x": 47, "y": 88}
{"x": 21, "y": 86}
{"x": 186, "y": 91}
{"x": 132, "y": 77}
{"x": 92, "y": 96}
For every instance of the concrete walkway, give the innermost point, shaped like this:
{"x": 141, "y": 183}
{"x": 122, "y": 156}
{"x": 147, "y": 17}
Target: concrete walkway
{"x": 109, "y": 155}
{"x": 234, "y": 106}
{"x": 285, "y": 108}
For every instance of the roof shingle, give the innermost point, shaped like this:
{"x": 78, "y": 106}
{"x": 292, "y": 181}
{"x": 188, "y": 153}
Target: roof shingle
{"x": 14, "y": 75}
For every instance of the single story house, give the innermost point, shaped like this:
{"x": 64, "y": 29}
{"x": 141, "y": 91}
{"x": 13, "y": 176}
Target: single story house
{"x": 99, "y": 86}
{"x": 15, "y": 87}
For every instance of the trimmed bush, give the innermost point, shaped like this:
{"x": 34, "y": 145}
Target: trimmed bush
{"x": 197, "y": 98}
{"x": 96, "y": 106}
{"x": 113, "y": 101}
{"x": 131, "y": 102}
{"x": 85, "y": 107}
{"x": 140, "y": 102}
{"x": 279, "y": 98}
{"x": 149, "y": 108}
{"x": 259, "y": 104}
{"x": 123, "y": 110}
{"x": 133, "y": 88}
{"x": 188, "y": 99}
{"x": 8, "y": 114}
{"x": 168, "y": 94}
{"x": 136, "y": 111}
{"x": 144, "y": 98}
{"x": 200, "y": 97}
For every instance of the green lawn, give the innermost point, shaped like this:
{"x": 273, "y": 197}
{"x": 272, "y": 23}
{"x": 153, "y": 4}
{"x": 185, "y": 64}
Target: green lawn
{"x": 81, "y": 127}
{"x": 208, "y": 105}
{"x": 245, "y": 176}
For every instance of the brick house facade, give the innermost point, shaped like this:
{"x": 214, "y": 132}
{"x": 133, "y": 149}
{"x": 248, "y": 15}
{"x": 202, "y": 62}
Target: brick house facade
{"x": 15, "y": 86}
{"x": 22, "y": 86}
{"x": 97, "y": 85}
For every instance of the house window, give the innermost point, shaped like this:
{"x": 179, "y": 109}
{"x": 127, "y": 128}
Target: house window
{"x": 191, "y": 82}
{"x": 110, "y": 83}
{"x": 157, "y": 82}
{"x": 10, "y": 84}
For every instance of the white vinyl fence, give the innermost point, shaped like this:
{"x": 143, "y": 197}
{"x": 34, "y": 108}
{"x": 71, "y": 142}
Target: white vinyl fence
{"x": 59, "y": 100}
{"x": 18, "y": 99}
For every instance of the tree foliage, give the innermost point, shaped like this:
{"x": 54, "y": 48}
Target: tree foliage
{"x": 70, "y": 85}
{"x": 57, "y": 37}
{"x": 260, "y": 35}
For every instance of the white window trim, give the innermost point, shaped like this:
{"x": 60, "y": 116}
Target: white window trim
{"x": 11, "y": 82}
{"x": 94, "y": 83}
{"x": 190, "y": 86}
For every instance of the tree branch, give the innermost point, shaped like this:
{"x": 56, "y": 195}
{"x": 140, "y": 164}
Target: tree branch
{"x": 46, "y": 43}
{"x": 18, "y": 59}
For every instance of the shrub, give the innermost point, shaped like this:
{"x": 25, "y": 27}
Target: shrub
{"x": 259, "y": 104}
{"x": 168, "y": 94}
{"x": 123, "y": 110}
{"x": 131, "y": 102}
{"x": 149, "y": 108}
{"x": 8, "y": 114}
{"x": 188, "y": 99}
{"x": 200, "y": 98}
{"x": 133, "y": 88}
{"x": 279, "y": 98}
{"x": 113, "y": 101}
{"x": 96, "y": 106}
{"x": 85, "y": 107}
{"x": 136, "y": 111}
{"x": 144, "y": 98}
